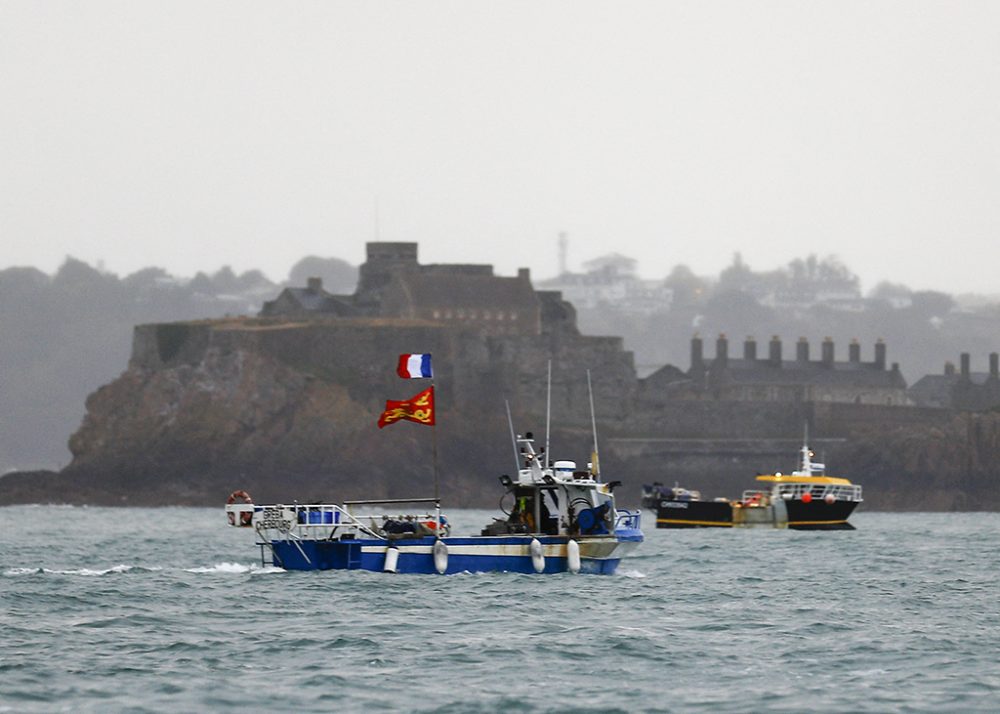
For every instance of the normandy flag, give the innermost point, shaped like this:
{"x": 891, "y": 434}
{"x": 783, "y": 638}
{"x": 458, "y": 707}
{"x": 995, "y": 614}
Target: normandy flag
{"x": 418, "y": 408}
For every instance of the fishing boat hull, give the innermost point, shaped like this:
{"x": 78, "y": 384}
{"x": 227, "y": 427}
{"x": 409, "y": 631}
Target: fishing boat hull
{"x": 694, "y": 514}
{"x": 794, "y": 514}
{"x": 597, "y": 555}
{"x": 819, "y": 516}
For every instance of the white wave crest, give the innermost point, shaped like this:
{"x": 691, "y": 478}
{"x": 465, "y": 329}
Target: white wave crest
{"x": 235, "y": 569}
{"x": 87, "y": 572}
{"x": 23, "y": 571}
{"x": 630, "y": 574}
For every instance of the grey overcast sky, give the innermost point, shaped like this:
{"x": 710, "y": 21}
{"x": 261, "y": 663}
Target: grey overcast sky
{"x": 192, "y": 135}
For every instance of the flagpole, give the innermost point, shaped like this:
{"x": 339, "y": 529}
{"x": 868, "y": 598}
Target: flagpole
{"x": 434, "y": 457}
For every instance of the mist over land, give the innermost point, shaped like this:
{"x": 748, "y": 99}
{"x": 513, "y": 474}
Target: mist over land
{"x": 64, "y": 335}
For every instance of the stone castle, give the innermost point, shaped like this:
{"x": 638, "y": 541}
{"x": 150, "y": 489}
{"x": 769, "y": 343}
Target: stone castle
{"x": 393, "y": 284}
{"x": 490, "y": 334}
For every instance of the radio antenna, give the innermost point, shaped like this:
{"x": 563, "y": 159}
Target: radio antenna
{"x": 548, "y": 413}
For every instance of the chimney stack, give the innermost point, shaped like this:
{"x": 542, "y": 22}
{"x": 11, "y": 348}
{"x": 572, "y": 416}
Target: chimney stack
{"x": 314, "y": 285}
{"x": 994, "y": 367}
{"x": 949, "y": 368}
{"x": 879, "y": 354}
{"x": 802, "y": 350}
{"x": 774, "y": 354}
{"x": 722, "y": 350}
{"x": 854, "y": 351}
{"x": 697, "y": 354}
{"x": 750, "y": 349}
{"x": 964, "y": 358}
{"x": 828, "y": 352}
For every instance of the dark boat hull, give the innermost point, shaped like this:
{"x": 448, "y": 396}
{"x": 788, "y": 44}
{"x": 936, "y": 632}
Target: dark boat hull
{"x": 694, "y": 514}
{"x": 820, "y": 516}
{"x": 815, "y": 515}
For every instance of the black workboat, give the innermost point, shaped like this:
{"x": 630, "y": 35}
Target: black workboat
{"x": 805, "y": 499}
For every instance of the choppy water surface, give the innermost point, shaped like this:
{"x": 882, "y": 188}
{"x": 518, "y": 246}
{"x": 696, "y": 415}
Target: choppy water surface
{"x": 170, "y": 610}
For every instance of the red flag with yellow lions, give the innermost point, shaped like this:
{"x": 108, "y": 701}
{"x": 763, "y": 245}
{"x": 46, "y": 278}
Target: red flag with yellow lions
{"x": 418, "y": 408}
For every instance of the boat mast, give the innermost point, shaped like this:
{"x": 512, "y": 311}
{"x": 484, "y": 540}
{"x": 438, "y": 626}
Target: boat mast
{"x": 805, "y": 462}
{"x": 513, "y": 438}
{"x": 548, "y": 413}
{"x": 596, "y": 465}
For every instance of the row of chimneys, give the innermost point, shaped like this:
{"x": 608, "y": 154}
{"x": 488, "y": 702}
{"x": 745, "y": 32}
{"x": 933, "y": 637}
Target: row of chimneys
{"x": 949, "y": 368}
{"x": 774, "y": 351}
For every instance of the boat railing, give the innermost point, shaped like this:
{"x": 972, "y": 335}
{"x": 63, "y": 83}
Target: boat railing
{"x": 839, "y": 492}
{"x": 328, "y": 520}
{"x": 755, "y": 497}
{"x": 627, "y": 519}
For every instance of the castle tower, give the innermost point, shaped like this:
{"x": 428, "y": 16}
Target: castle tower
{"x": 382, "y": 260}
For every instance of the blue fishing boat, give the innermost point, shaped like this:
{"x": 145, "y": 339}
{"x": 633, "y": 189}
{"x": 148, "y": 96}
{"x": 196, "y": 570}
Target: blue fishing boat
{"x": 555, "y": 519}
{"x": 558, "y": 519}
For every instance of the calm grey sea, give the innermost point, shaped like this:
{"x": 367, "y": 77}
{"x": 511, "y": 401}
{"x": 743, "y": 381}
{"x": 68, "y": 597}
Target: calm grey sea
{"x": 169, "y": 610}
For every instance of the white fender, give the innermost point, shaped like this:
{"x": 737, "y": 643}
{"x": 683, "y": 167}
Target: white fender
{"x": 440, "y": 556}
{"x": 391, "y": 559}
{"x": 537, "y": 557}
{"x": 573, "y": 557}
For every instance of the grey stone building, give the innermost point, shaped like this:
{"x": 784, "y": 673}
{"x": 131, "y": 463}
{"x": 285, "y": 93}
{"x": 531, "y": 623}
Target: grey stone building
{"x": 757, "y": 377}
{"x": 393, "y": 284}
{"x": 965, "y": 389}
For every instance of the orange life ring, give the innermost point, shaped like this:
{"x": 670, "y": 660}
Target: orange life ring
{"x": 246, "y": 518}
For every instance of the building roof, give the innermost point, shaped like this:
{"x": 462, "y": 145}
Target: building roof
{"x": 936, "y": 389}
{"x": 791, "y": 372}
{"x": 465, "y": 290}
{"x": 319, "y": 302}
{"x": 312, "y": 300}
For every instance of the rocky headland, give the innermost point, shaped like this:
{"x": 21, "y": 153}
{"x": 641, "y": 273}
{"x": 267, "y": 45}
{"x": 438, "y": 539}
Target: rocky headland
{"x": 287, "y": 410}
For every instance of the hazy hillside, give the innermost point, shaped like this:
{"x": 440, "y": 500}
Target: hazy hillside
{"x": 65, "y": 335}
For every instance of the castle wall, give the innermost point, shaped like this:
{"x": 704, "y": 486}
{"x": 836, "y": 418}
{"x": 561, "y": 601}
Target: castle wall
{"x": 472, "y": 370}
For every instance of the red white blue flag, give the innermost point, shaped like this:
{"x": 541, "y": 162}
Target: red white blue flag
{"x": 414, "y": 367}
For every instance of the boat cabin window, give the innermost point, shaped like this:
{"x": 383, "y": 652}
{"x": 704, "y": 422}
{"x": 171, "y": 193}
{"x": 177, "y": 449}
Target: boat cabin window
{"x": 536, "y": 510}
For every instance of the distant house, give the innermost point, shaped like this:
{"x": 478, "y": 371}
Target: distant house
{"x": 966, "y": 389}
{"x": 611, "y": 280}
{"x": 310, "y": 301}
{"x": 771, "y": 378}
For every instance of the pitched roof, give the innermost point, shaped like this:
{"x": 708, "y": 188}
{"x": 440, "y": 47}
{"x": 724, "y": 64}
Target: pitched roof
{"x": 936, "y": 389}
{"x": 484, "y": 291}
{"x": 855, "y": 374}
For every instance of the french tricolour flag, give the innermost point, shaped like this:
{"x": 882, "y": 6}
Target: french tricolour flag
{"x": 414, "y": 367}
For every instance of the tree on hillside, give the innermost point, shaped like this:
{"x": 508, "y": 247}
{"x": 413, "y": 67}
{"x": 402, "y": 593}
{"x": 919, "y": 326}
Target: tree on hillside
{"x": 688, "y": 288}
{"x": 339, "y": 277}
